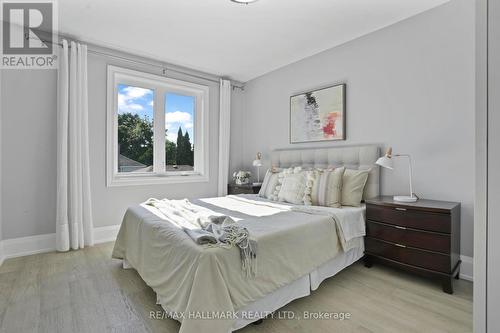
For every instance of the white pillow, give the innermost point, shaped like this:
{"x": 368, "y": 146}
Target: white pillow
{"x": 293, "y": 187}
{"x": 353, "y": 185}
{"x": 281, "y": 174}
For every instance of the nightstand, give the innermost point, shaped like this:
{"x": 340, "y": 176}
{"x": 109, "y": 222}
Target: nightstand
{"x": 243, "y": 189}
{"x": 421, "y": 237}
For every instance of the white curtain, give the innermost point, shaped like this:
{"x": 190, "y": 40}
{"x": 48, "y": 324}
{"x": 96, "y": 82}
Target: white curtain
{"x": 74, "y": 212}
{"x": 224, "y": 135}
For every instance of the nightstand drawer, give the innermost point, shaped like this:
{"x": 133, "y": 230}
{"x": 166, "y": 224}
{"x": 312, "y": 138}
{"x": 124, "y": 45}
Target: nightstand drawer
{"x": 415, "y": 238}
{"x": 241, "y": 189}
{"x": 401, "y": 253}
{"x": 410, "y": 218}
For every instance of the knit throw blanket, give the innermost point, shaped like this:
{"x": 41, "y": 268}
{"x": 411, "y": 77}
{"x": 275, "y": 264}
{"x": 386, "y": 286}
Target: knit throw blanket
{"x": 210, "y": 229}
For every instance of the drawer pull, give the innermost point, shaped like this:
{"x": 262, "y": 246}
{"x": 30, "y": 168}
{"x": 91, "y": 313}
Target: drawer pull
{"x": 399, "y": 227}
{"x": 399, "y": 245}
{"x": 401, "y": 209}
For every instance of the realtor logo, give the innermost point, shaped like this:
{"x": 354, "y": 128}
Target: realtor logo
{"x": 28, "y": 34}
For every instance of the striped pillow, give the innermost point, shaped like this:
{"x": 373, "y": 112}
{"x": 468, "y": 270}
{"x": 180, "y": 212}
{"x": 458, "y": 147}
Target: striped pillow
{"x": 326, "y": 189}
{"x": 269, "y": 184}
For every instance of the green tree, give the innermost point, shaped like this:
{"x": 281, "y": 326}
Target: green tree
{"x": 185, "y": 153}
{"x": 135, "y": 138}
{"x": 180, "y": 156}
{"x": 188, "y": 150}
{"x": 170, "y": 152}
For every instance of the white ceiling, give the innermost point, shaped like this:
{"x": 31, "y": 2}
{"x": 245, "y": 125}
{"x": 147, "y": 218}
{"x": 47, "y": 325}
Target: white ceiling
{"x": 229, "y": 39}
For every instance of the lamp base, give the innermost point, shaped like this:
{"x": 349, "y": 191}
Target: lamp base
{"x": 404, "y": 198}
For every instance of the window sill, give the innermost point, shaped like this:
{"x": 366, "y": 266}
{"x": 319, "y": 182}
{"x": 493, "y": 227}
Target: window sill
{"x": 158, "y": 179}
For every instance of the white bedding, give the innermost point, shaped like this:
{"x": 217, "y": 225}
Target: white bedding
{"x": 194, "y": 280}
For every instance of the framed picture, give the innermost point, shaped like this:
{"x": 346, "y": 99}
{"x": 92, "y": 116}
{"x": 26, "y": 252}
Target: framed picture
{"x": 318, "y": 115}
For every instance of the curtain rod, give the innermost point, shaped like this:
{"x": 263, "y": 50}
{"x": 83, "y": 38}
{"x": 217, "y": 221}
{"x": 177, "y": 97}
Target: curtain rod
{"x": 164, "y": 68}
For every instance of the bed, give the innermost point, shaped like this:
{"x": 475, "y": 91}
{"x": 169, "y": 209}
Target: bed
{"x": 298, "y": 247}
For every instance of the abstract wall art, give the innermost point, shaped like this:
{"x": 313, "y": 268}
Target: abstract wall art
{"x": 318, "y": 115}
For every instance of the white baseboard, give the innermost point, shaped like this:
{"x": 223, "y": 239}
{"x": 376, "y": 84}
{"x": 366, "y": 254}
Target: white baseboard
{"x": 1, "y": 253}
{"x": 25, "y": 246}
{"x": 106, "y": 234}
{"x": 467, "y": 268}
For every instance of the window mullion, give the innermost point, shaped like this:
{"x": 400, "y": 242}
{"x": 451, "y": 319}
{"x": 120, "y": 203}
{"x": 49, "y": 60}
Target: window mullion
{"x": 159, "y": 131}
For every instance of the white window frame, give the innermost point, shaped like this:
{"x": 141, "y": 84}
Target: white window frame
{"x": 160, "y": 86}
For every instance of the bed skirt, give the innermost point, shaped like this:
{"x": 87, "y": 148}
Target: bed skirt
{"x": 299, "y": 288}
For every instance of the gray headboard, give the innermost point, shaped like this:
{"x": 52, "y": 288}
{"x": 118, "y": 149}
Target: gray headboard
{"x": 352, "y": 157}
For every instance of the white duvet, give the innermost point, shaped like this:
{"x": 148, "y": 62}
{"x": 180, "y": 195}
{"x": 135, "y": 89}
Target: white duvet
{"x": 201, "y": 284}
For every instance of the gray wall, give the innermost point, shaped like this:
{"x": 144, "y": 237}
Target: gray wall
{"x": 493, "y": 268}
{"x": 236, "y": 144}
{"x": 410, "y": 85}
{"x": 1, "y": 183}
{"x": 28, "y": 152}
{"x": 28, "y": 146}
{"x": 480, "y": 181}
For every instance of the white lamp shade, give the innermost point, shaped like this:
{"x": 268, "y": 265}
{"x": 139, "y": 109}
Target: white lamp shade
{"x": 385, "y": 162}
{"x": 257, "y": 163}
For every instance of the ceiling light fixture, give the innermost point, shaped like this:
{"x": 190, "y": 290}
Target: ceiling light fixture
{"x": 244, "y": 2}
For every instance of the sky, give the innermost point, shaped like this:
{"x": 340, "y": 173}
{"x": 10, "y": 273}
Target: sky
{"x": 179, "y": 108}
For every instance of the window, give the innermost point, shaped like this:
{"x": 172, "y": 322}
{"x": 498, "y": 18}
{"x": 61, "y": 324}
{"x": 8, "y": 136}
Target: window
{"x": 179, "y": 117}
{"x": 135, "y": 129}
{"x": 157, "y": 129}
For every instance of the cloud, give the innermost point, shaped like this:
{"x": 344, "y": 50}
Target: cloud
{"x": 134, "y": 99}
{"x": 176, "y": 119}
{"x": 172, "y": 136}
{"x": 136, "y": 92}
{"x": 135, "y": 107}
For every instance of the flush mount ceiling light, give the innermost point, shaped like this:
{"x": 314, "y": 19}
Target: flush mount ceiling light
{"x": 244, "y": 2}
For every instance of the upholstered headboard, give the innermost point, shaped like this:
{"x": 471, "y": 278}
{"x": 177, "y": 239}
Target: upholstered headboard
{"x": 352, "y": 157}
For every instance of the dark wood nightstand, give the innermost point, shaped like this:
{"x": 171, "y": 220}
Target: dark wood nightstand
{"x": 243, "y": 189}
{"x": 421, "y": 237}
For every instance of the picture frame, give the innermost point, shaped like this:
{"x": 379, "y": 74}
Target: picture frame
{"x": 318, "y": 115}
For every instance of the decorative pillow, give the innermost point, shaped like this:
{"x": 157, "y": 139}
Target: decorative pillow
{"x": 281, "y": 174}
{"x": 292, "y": 186}
{"x": 353, "y": 185}
{"x": 269, "y": 184}
{"x": 326, "y": 189}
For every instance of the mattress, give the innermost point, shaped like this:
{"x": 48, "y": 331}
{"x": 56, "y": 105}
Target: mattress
{"x": 192, "y": 281}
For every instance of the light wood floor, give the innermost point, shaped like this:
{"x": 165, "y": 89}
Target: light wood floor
{"x": 87, "y": 291}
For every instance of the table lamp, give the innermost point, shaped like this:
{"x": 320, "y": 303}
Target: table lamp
{"x": 258, "y": 163}
{"x": 386, "y": 161}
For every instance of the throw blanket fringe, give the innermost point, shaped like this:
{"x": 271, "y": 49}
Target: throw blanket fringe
{"x": 208, "y": 228}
